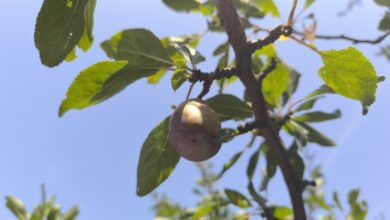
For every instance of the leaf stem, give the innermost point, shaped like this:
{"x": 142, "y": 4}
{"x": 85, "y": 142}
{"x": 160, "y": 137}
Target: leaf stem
{"x": 190, "y": 90}
{"x": 311, "y": 47}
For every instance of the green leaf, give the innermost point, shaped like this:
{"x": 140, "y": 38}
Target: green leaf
{"x": 178, "y": 78}
{"x": 221, "y": 49}
{"x": 271, "y": 166}
{"x": 191, "y": 40}
{"x": 281, "y": 212}
{"x": 257, "y": 64}
{"x": 296, "y": 160}
{"x": 71, "y": 56}
{"x": 59, "y": 28}
{"x": 248, "y": 10}
{"x": 383, "y": 2}
{"x": 292, "y": 86}
{"x": 155, "y": 78}
{"x": 269, "y": 7}
{"x": 72, "y": 213}
{"x": 254, "y": 159}
{"x": 296, "y": 130}
{"x": 230, "y": 163}
{"x": 384, "y": 24}
{"x": 336, "y": 200}
{"x": 316, "y": 172}
{"x": 237, "y": 198}
{"x": 349, "y": 73}
{"x": 202, "y": 210}
{"x": 16, "y": 207}
{"x": 315, "y": 136}
{"x": 274, "y": 85}
{"x": 324, "y": 89}
{"x": 308, "y": 3}
{"x": 317, "y": 116}
{"x": 120, "y": 80}
{"x": 182, "y": 5}
{"x": 140, "y": 47}
{"x": 157, "y": 161}
{"x": 54, "y": 214}
{"x": 228, "y": 134}
{"x": 308, "y": 103}
{"x": 87, "y": 38}
{"x": 353, "y": 196}
{"x": 89, "y": 84}
{"x": 223, "y": 61}
{"x": 319, "y": 200}
{"x": 192, "y": 55}
{"x": 230, "y": 107}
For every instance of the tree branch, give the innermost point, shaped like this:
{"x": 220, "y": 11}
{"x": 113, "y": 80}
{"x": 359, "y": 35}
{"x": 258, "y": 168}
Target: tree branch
{"x": 347, "y": 38}
{"x": 268, "y": 70}
{"x": 208, "y": 78}
{"x": 243, "y": 51}
{"x": 273, "y": 35}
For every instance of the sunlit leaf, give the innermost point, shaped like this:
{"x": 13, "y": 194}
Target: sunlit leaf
{"x": 87, "y": 38}
{"x": 237, "y": 198}
{"x": 349, "y": 73}
{"x": 178, "y": 78}
{"x": 281, "y": 212}
{"x": 16, "y": 207}
{"x": 308, "y": 3}
{"x": 269, "y": 7}
{"x": 155, "y": 78}
{"x": 88, "y": 84}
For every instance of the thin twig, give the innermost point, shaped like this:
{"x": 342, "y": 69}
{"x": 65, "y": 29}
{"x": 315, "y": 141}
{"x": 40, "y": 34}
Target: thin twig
{"x": 292, "y": 12}
{"x": 208, "y": 78}
{"x": 311, "y": 47}
{"x": 273, "y": 35}
{"x": 268, "y": 70}
{"x": 206, "y": 88}
{"x": 190, "y": 90}
{"x": 347, "y": 38}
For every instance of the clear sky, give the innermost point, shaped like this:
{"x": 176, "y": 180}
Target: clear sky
{"x": 89, "y": 157}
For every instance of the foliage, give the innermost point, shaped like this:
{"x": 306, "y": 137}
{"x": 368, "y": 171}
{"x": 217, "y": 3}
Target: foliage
{"x": 269, "y": 106}
{"x": 46, "y": 210}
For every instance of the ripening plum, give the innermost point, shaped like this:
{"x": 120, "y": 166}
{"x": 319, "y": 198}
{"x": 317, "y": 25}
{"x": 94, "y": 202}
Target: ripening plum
{"x": 194, "y": 130}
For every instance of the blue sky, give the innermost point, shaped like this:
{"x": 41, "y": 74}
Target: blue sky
{"x": 89, "y": 157}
